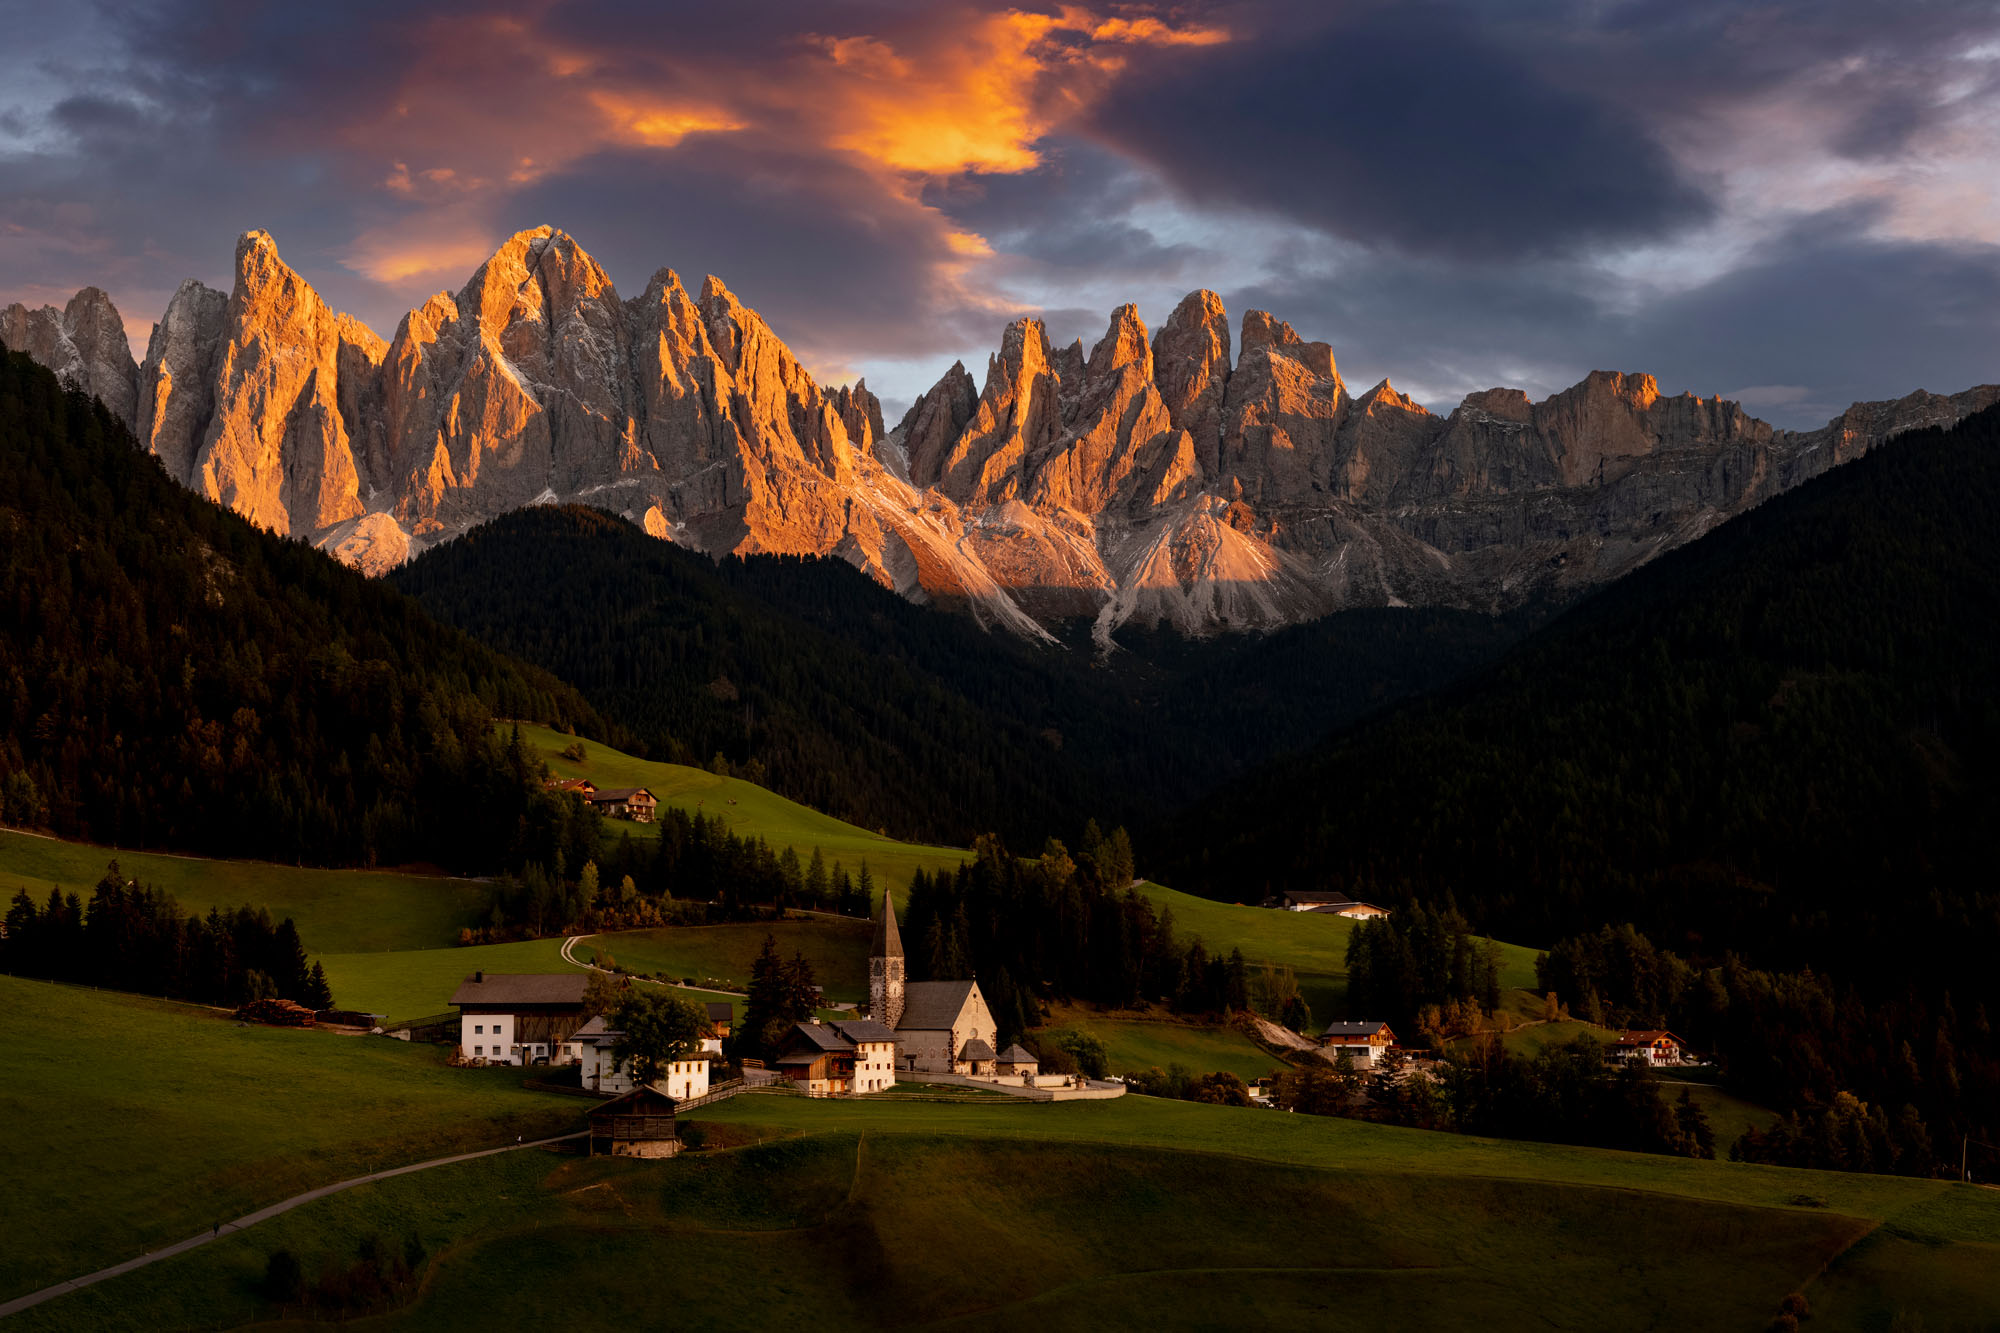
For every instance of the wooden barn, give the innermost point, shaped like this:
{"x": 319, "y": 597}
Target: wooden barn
{"x": 639, "y": 1124}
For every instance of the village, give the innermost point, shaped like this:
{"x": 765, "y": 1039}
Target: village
{"x": 938, "y": 1034}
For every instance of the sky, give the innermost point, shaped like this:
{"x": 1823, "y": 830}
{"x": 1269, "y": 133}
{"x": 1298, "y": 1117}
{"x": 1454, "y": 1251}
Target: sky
{"x": 1793, "y": 204}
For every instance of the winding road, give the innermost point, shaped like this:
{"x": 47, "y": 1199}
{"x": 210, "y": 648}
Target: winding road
{"x": 21, "y": 1303}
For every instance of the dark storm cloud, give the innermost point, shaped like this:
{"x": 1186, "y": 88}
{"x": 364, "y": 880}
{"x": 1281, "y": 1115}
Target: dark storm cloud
{"x": 1402, "y": 127}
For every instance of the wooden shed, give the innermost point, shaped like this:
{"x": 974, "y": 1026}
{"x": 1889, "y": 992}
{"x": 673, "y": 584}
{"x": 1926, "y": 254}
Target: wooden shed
{"x": 639, "y": 1124}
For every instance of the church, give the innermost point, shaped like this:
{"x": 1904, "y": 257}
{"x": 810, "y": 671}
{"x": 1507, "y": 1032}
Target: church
{"x": 941, "y": 1027}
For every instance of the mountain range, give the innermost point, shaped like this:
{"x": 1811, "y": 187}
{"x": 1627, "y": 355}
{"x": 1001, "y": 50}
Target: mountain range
{"x": 1157, "y": 477}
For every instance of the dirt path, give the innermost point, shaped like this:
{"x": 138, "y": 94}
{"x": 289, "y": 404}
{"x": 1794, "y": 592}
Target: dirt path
{"x": 570, "y": 942}
{"x": 21, "y": 1303}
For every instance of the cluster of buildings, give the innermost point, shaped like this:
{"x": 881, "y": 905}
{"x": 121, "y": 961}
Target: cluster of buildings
{"x": 1368, "y": 1043}
{"x": 633, "y": 803}
{"x": 939, "y": 1030}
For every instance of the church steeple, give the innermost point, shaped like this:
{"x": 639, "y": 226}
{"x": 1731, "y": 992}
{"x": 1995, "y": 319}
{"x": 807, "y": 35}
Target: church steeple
{"x": 885, "y": 968}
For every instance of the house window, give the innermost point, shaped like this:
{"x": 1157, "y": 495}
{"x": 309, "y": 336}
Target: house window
{"x": 481, "y": 1050}
{"x": 481, "y": 1027}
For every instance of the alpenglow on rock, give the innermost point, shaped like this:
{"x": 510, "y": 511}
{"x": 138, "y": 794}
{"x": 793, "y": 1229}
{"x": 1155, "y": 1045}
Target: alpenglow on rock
{"x": 1149, "y": 477}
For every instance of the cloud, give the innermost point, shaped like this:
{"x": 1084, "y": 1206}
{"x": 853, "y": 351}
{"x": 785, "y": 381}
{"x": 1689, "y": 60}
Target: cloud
{"x": 1400, "y": 127}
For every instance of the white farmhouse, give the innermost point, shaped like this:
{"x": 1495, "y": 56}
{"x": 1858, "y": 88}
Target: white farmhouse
{"x": 508, "y": 1018}
{"x": 604, "y": 1071}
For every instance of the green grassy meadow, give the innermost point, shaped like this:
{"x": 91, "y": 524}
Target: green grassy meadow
{"x": 1313, "y": 945}
{"x": 133, "y": 1122}
{"x": 837, "y": 950}
{"x": 747, "y": 809}
{"x": 337, "y": 911}
{"x": 832, "y": 1216}
{"x": 1142, "y": 1044}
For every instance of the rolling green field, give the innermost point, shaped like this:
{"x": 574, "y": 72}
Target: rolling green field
{"x": 837, "y": 950}
{"x": 419, "y": 983}
{"x": 1313, "y": 945}
{"x": 1139, "y": 1045}
{"x": 337, "y": 911}
{"x": 132, "y": 1122}
{"x": 1080, "y": 1217}
{"x": 746, "y": 808}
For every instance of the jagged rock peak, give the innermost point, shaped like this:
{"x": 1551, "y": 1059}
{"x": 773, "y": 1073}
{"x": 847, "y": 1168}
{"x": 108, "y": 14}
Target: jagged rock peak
{"x": 84, "y": 343}
{"x": 1191, "y": 367}
{"x": 1262, "y": 331}
{"x": 1123, "y": 344}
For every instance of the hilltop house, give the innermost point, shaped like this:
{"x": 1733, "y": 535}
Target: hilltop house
{"x": 838, "y": 1057}
{"x": 604, "y": 1071}
{"x": 1648, "y": 1048}
{"x": 1366, "y": 1043}
{"x": 513, "y": 1019}
{"x": 583, "y": 787}
{"x": 633, "y": 803}
{"x": 1328, "y": 902}
{"x": 721, "y": 1020}
{"x": 639, "y": 1124}
{"x": 942, "y": 1027}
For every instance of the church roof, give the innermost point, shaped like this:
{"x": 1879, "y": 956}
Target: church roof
{"x": 1017, "y": 1055}
{"x": 932, "y": 1005}
{"x": 888, "y": 940}
{"x": 976, "y": 1049}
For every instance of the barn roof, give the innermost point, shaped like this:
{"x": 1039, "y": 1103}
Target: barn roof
{"x": 823, "y": 1036}
{"x": 932, "y": 1005}
{"x": 505, "y": 988}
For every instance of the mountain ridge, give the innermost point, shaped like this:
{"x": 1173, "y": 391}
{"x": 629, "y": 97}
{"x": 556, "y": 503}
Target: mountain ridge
{"x": 1151, "y": 478}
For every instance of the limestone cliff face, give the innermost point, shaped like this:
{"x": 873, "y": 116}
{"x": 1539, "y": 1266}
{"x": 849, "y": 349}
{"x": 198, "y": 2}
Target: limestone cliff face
{"x": 1152, "y": 477}
{"x": 84, "y": 343}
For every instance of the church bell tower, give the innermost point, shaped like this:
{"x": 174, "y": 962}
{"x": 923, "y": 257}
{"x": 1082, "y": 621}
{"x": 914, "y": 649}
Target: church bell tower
{"x": 885, "y": 968}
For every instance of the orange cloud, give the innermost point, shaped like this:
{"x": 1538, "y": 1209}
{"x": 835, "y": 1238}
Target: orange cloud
{"x": 659, "y": 125}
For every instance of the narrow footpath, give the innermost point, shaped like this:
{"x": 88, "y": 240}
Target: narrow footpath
{"x": 21, "y": 1303}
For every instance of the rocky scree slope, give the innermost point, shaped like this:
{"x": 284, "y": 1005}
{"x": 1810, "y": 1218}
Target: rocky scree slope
{"x": 1154, "y": 478}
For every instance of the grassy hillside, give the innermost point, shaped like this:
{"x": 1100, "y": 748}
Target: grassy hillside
{"x": 837, "y": 950}
{"x": 745, "y": 807}
{"x": 134, "y": 1122}
{"x": 1312, "y": 944}
{"x": 337, "y": 911}
{"x": 1080, "y": 1217}
{"x": 1135, "y": 1044}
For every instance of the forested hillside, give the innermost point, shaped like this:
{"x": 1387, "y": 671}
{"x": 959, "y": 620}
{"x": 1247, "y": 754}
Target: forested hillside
{"x": 900, "y": 717}
{"x": 1776, "y": 749}
{"x": 171, "y": 676}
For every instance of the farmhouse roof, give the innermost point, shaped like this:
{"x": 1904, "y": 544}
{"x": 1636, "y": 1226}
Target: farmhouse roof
{"x": 824, "y": 1036}
{"x": 1354, "y": 1029}
{"x": 1344, "y": 905}
{"x": 864, "y": 1029}
{"x": 498, "y": 989}
{"x": 888, "y": 940}
{"x": 930, "y": 1006}
{"x": 1647, "y": 1038}
{"x": 720, "y": 1011}
{"x": 1017, "y": 1055}
{"x": 618, "y": 793}
{"x": 597, "y": 1032}
{"x": 976, "y": 1049}
{"x": 1317, "y": 896}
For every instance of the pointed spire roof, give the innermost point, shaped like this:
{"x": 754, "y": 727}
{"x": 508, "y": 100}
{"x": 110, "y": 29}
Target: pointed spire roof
{"x": 888, "y": 940}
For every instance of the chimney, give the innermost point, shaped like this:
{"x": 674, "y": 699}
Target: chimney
{"x": 479, "y": 976}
